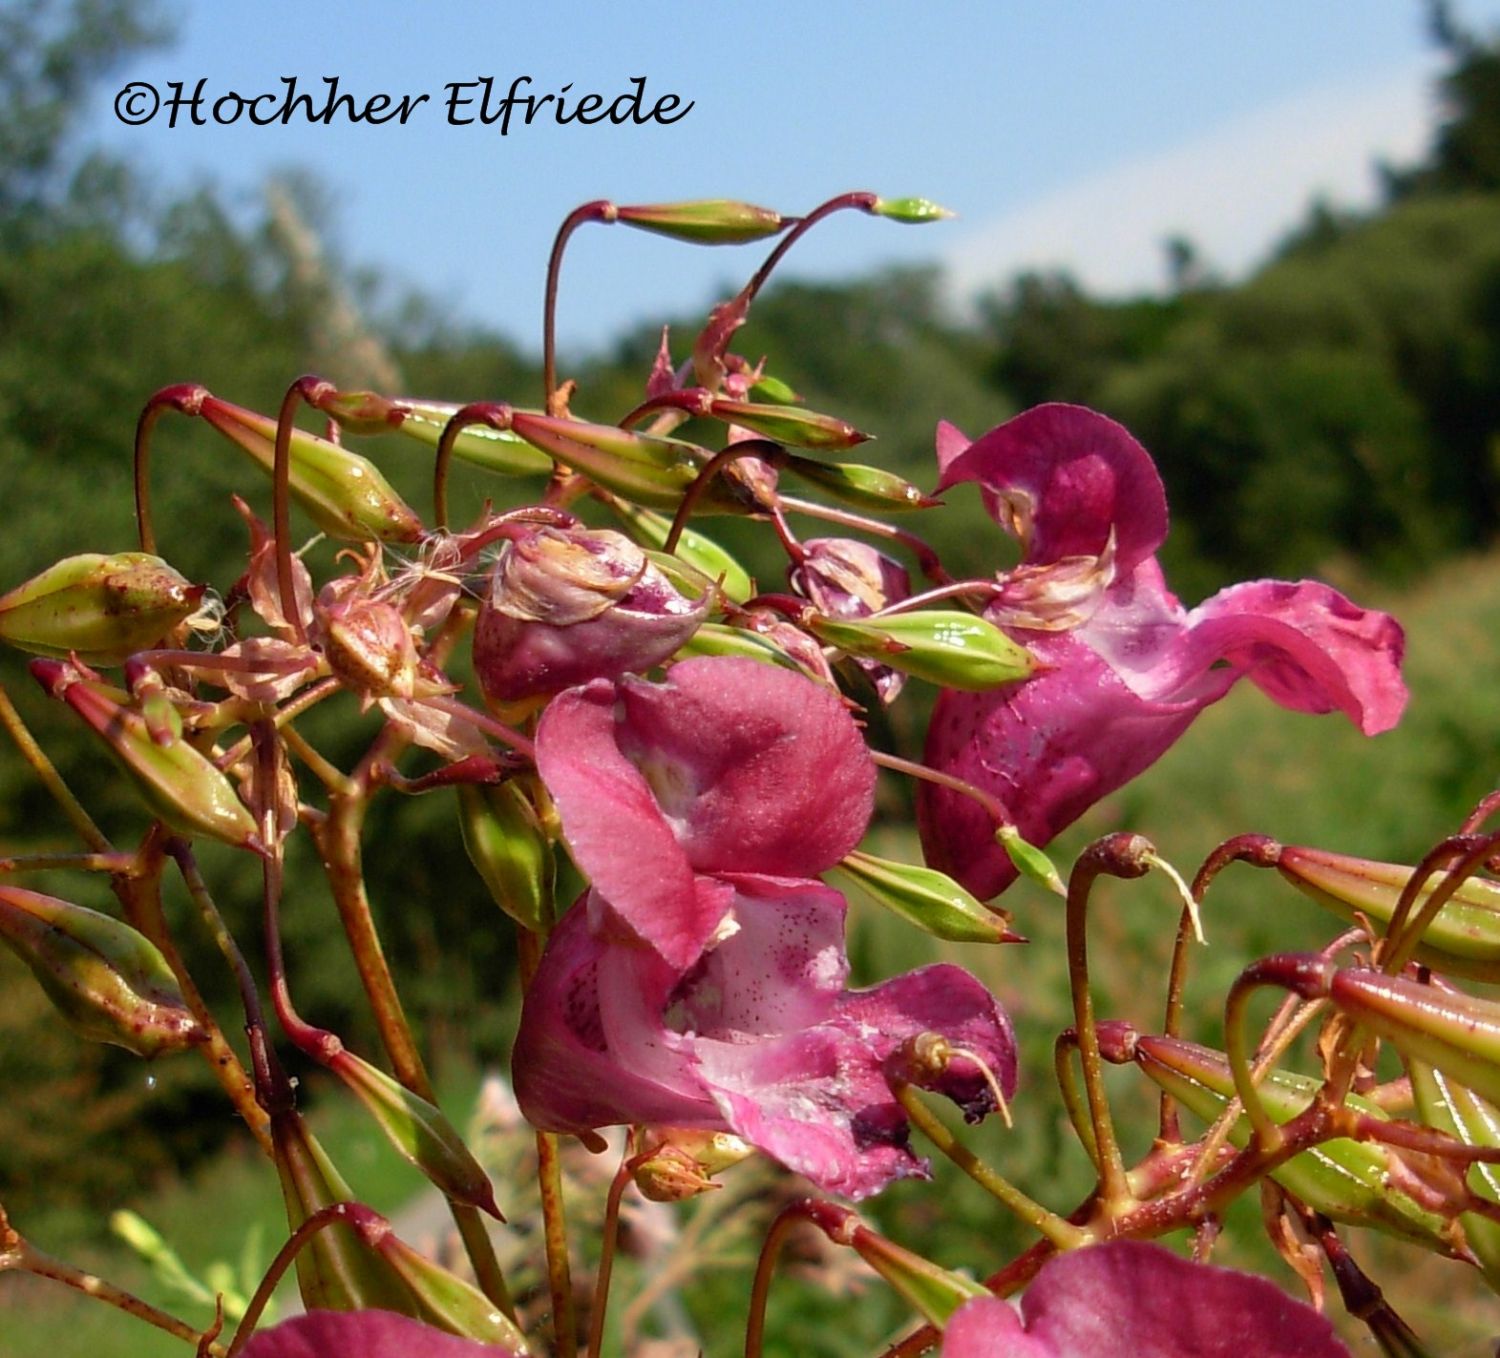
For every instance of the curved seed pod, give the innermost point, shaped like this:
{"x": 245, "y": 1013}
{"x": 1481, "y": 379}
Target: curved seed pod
{"x": 1346, "y": 1180}
{"x": 1463, "y": 938}
{"x": 952, "y": 649}
{"x": 108, "y": 981}
{"x": 345, "y": 494}
{"x": 931, "y": 900}
{"x": 96, "y": 607}
{"x": 180, "y": 786}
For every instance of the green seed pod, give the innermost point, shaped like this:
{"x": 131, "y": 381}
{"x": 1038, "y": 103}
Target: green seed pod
{"x": 652, "y": 471}
{"x": 108, "y": 981}
{"x": 931, "y": 900}
{"x": 419, "y": 1131}
{"x": 787, "y": 424}
{"x": 703, "y": 554}
{"x": 714, "y": 638}
{"x": 496, "y": 450}
{"x": 1346, "y": 1180}
{"x": 336, "y": 1271}
{"x": 99, "y": 608}
{"x": 447, "y": 1301}
{"x": 956, "y": 650}
{"x": 911, "y": 211}
{"x": 871, "y": 488}
{"x": 345, "y": 494}
{"x": 706, "y": 221}
{"x": 180, "y": 786}
{"x": 1449, "y": 1107}
{"x": 1463, "y": 938}
{"x": 509, "y": 850}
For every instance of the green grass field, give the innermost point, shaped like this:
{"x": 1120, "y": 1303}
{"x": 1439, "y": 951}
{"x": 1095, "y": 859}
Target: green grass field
{"x": 1246, "y": 766}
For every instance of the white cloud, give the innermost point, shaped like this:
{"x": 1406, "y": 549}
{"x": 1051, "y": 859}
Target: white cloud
{"x": 1232, "y": 191}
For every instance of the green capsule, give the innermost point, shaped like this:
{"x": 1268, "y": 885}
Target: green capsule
{"x": 788, "y": 424}
{"x": 345, "y": 494}
{"x": 447, "y": 1301}
{"x": 933, "y": 1291}
{"x": 652, "y": 471}
{"x": 871, "y": 488}
{"x": 931, "y": 900}
{"x": 419, "y": 1131}
{"x": 482, "y": 445}
{"x": 1344, "y": 1179}
{"x": 911, "y": 211}
{"x": 947, "y": 647}
{"x": 703, "y": 554}
{"x": 1448, "y": 1107}
{"x": 705, "y": 221}
{"x": 336, "y": 1270}
{"x": 180, "y": 785}
{"x": 510, "y": 850}
{"x": 99, "y": 608}
{"x": 107, "y": 980}
{"x": 1463, "y": 938}
{"x": 713, "y": 638}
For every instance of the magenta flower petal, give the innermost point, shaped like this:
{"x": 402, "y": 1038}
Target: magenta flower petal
{"x": 1124, "y": 668}
{"x": 1129, "y": 1297}
{"x": 728, "y": 766}
{"x": 756, "y": 1037}
{"x": 1063, "y": 478}
{"x": 363, "y": 1334}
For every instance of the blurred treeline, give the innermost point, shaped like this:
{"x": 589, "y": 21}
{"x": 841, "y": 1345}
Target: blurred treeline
{"x": 1336, "y": 413}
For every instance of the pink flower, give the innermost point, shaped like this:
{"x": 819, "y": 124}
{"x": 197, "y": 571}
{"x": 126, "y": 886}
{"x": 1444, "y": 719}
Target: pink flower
{"x": 1126, "y": 667}
{"x": 729, "y": 766}
{"x": 1128, "y": 1297}
{"x": 756, "y": 1035}
{"x": 363, "y": 1334}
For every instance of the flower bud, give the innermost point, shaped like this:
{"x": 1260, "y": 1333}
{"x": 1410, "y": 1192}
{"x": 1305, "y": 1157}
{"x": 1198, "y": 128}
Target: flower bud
{"x": 851, "y": 483}
{"x": 653, "y": 471}
{"x": 108, "y": 981}
{"x": 419, "y": 1132}
{"x": 683, "y": 1160}
{"x": 912, "y": 211}
{"x": 569, "y": 605}
{"x": 99, "y": 608}
{"x": 949, "y": 648}
{"x": 1344, "y": 1179}
{"x": 344, "y": 493}
{"x": 509, "y": 850}
{"x": 702, "y": 553}
{"x": 1463, "y": 938}
{"x": 707, "y": 221}
{"x": 180, "y": 785}
{"x": 931, "y": 900}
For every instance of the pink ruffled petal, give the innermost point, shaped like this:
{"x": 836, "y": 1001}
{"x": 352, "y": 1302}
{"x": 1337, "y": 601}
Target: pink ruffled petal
{"x": 616, "y": 830}
{"x": 1130, "y": 1297}
{"x": 758, "y": 769}
{"x": 363, "y": 1334}
{"x": 1064, "y": 478}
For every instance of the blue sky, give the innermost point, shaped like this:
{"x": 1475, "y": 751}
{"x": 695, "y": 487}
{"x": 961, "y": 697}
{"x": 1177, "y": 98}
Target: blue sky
{"x": 1076, "y": 132}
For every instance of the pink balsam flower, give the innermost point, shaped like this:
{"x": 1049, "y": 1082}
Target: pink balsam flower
{"x": 1124, "y": 668}
{"x": 755, "y": 1036}
{"x": 729, "y": 766}
{"x": 1129, "y": 1297}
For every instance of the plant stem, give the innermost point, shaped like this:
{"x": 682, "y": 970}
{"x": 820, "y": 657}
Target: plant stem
{"x": 49, "y": 777}
{"x": 611, "y": 1236}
